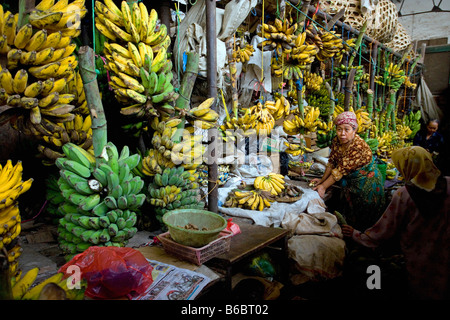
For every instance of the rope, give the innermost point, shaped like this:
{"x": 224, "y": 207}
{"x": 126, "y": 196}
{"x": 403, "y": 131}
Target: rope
{"x": 216, "y": 184}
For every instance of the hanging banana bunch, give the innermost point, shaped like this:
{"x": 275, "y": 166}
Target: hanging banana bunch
{"x": 308, "y": 123}
{"x": 11, "y": 187}
{"x": 279, "y": 36}
{"x": 243, "y": 52}
{"x": 280, "y": 108}
{"x": 40, "y": 61}
{"x": 346, "y": 49}
{"x": 312, "y": 81}
{"x": 202, "y": 116}
{"x": 363, "y": 119}
{"x": 137, "y": 58}
{"x": 332, "y": 44}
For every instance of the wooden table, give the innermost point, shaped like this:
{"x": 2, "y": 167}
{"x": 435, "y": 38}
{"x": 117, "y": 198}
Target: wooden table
{"x": 251, "y": 240}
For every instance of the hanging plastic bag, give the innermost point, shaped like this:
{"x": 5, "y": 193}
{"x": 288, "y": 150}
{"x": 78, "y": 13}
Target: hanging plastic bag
{"x": 111, "y": 272}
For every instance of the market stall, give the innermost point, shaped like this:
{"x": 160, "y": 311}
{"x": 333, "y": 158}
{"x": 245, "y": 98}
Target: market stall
{"x": 138, "y": 112}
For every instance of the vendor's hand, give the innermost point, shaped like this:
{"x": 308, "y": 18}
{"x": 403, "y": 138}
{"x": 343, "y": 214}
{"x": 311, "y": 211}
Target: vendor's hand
{"x": 320, "y": 190}
{"x": 314, "y": 182}
{"x": 347, "y": 230}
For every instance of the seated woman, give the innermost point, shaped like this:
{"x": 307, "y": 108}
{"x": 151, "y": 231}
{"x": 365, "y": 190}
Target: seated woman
{"x": 352, "y": 164}
{"x": 419, "y": 217}
{"x": 430, "y": 139}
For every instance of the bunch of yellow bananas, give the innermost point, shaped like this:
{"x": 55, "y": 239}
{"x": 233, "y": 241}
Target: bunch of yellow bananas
{"x": 11, "y": 187}
{"x": 246, "y": 123}
{"x": 296, "y": 149}
{"x": 273, "y": 182}
{"x": 331, "y": 44}
{"x": 304, "y": 52}
{"x": 203, "y": 116}
{"x": 252, "y": 200}
{"x": 324, "y": 127}
{"x": 264, "y": 118}
{"x": 308, "y": 123}
{"x": 279, "y": 35}
{"x": 363, "y": 119}
{"x": 23, "y": 288}
{"x": 137, "y": 57}
{"x": 345, "y": 50}
{"x": 403, "y": 131}
{"x": 312, "y": 81}
{"x": 338, "y": 109}
{"x": 39, "y": 81}
{"x": 280, "y": 108}
{"x": 409, "y": 84}
{"x": 243, "y": 53}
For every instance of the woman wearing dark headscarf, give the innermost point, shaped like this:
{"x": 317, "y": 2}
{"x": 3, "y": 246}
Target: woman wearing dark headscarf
{"x": 352, "y": 164}
{"x": 419, "y": 215}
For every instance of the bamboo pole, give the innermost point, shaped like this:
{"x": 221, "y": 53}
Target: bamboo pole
{"x": 89, "y": 76}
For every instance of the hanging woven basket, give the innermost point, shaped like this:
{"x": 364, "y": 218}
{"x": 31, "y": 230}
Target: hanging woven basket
{"x": 401, "y": 39}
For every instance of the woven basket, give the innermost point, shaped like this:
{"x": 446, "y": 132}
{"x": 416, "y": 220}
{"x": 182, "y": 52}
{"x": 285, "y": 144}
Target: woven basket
{"x": 383, "y": 26}
{"x": 401, "y": 39}
{"x": 381, "y": 23}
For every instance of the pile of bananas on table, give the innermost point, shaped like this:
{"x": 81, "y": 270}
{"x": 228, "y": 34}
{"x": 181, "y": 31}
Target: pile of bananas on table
{"x": 174, "y": 188}
{"x": 137, "y": 57}
{"x": 308, "y": 123}
{"x": 51, "y": 288}
{"x": 39, "y": 82}
{"x": 11, "y": 187}
{"x": 273, "y": 183}
{"x": 251, "y": 199}
{"x": 101, "y": 198}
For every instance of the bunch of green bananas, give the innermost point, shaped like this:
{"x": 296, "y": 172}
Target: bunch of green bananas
{"x": 54, "y": 197}
{"x": 11, "y": 187}
{"x": 39, "y": 82}
{"x": 393, "y": 77}
{"x": 137, "y": 57}
{"x": 412, "y": 120}
{"x": 174, "y": 188}
{"x": 324, "y": 139}
{"x": 101, "y": 198}
{"x": 342, "y": 71}
{"x": 320, "y": 99}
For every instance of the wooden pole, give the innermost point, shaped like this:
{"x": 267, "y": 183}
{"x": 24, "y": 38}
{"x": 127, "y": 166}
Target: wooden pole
{"x": 233, "y": 77}
{"x": 213, "y": 134}
{"x": 89, "y": 76}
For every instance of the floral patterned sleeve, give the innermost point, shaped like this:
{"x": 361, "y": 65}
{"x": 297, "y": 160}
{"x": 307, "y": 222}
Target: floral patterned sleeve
{"x": 388, "y": 224}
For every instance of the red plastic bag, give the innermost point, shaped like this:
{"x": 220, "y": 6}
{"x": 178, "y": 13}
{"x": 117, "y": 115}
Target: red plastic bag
{"x": 111, "y": 272}
{"x": 233, "y": 227}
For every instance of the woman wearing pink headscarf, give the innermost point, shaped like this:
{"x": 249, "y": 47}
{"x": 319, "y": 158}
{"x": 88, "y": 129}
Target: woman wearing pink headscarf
{"x": 351, "y": 164}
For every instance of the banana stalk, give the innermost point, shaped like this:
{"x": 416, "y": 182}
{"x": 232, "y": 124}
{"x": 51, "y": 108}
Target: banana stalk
{"x": 369, "y": 107}
{"x": 390, "y": 112}
{"x": 332, "y": 101}
{"x": 186, "y": 86}
{"x": 94, "y": 101}
{"x": 357, "y": 44}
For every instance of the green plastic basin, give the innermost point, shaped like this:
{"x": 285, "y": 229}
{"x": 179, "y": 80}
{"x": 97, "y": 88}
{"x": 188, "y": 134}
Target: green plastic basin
{"x": 176, "y": 220}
